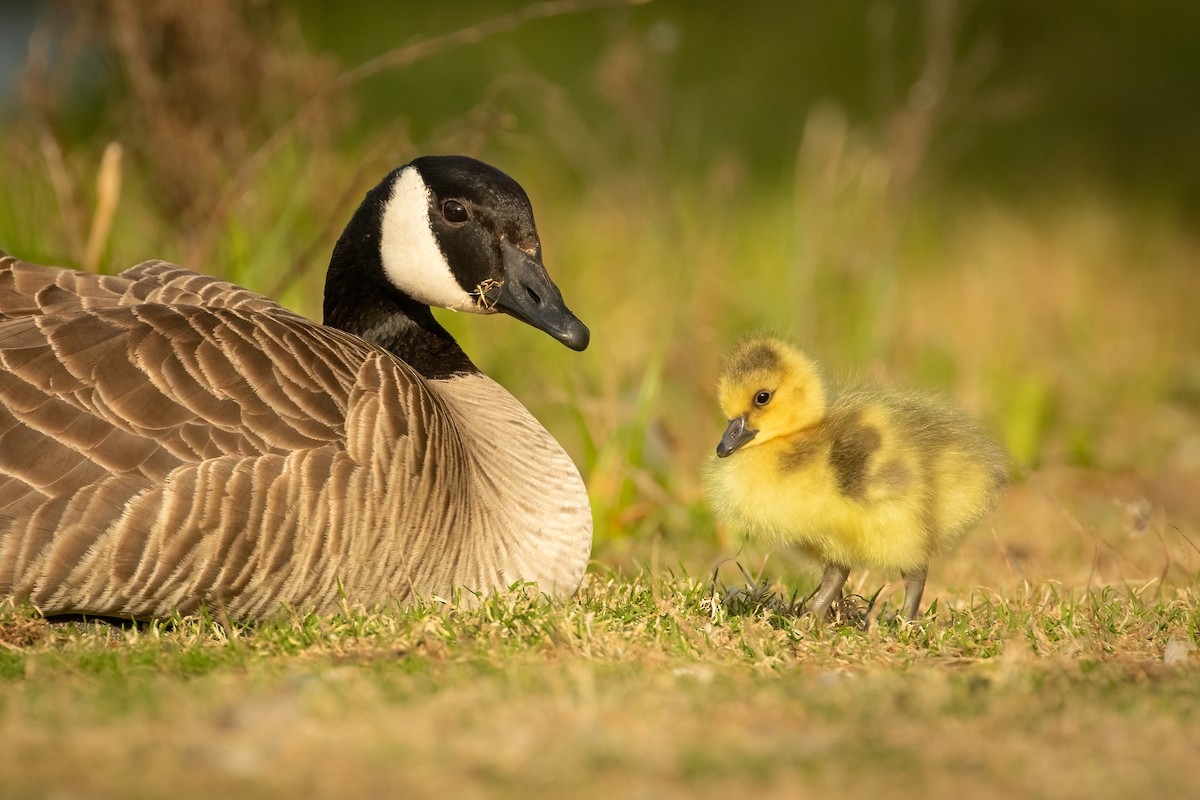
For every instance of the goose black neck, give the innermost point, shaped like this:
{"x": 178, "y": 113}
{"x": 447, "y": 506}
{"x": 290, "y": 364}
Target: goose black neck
{"x": 360, "y": 300}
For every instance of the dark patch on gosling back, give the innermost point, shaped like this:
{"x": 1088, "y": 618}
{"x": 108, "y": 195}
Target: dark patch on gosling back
{"x": 851, "y": 445}
{"x": 850, "y": 455}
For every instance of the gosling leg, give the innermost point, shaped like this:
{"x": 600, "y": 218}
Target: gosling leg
{"x": 914, "y": 585}
{"x": 831, "y": 588}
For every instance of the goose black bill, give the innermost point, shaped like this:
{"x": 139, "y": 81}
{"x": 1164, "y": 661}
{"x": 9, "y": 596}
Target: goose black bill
{"x": 529, "y": 295}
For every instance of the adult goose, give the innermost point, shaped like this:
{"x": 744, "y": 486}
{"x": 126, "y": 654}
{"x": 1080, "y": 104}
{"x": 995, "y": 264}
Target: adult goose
{"x": 169, "y": 440}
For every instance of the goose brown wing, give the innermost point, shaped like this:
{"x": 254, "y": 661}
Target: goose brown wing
{"x": 28, "y": 289}
{"x": 107, "y": 413}
{"x": 168, "y": 383}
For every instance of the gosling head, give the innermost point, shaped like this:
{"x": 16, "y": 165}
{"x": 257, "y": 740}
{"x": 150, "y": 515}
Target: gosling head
{"x": 767, "y": 389}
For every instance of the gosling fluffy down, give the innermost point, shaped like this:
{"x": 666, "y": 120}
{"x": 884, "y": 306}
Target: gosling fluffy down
{"x": 854, "y": 478}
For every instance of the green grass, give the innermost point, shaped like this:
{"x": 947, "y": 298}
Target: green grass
{"x": 1059, "y": 655}
{"x": 638, "y": 686}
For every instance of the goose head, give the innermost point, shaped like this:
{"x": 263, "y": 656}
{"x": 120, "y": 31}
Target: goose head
{"x": 445, "y": 231}
{"x": 767, "y": 389}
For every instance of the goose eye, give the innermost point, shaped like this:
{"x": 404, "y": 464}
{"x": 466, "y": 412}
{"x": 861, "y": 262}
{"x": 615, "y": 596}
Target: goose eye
{"x": 454, "y": 211}
{"x": 762, "y": 398}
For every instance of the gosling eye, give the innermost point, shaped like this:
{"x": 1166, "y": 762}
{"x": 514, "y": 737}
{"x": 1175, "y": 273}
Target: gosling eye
{"x": 762, "y": 398}
{"x": 454, "y": 212}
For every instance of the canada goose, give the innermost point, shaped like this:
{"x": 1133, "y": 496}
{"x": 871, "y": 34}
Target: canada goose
{"x": 168, "y": 439}
{"x": 858, "y": 478}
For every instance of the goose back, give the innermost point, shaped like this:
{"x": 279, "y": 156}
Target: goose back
{"x": 29, "y": 289}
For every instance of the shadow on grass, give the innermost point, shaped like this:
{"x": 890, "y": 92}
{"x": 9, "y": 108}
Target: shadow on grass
{"x": 759, "y": 598}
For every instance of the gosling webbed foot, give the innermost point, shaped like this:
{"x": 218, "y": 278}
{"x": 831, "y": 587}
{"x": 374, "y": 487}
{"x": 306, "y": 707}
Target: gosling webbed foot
{"x": 914, "y": 586}
{"x": 831, "y": 589}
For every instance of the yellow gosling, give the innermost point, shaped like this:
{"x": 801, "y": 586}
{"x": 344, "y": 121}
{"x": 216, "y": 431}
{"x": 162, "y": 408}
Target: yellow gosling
{"x": 855, "y": 478}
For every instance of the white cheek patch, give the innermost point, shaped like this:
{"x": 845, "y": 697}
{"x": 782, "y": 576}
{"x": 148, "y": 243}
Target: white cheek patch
{"x": 412, "y": 260}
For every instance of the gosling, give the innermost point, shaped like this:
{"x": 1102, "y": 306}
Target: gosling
{"x": 854, "y": 478}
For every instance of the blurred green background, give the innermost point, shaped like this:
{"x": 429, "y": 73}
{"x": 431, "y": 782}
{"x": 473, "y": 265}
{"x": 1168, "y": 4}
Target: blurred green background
{"x": 997, "y": 201}
{"x": 1040, "y": 98}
